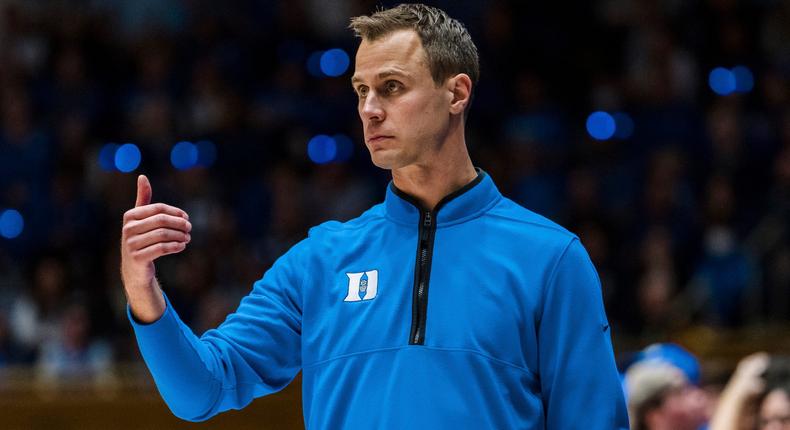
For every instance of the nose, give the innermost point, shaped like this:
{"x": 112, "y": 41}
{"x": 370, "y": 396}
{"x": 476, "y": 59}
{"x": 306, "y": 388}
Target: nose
{"x": 371, "y": 109}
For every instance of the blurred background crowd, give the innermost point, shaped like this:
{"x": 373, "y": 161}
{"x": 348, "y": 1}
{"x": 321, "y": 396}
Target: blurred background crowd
{"x": 657, "y": 130}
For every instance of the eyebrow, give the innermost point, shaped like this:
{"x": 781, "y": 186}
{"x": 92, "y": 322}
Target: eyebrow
{"x": 381, "y": 75}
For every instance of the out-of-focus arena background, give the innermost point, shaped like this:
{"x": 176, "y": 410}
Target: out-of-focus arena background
{"x": 657, "y": 130}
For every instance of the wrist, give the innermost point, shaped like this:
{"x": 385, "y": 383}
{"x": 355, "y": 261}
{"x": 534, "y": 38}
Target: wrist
{"x": 146, "y": 301}
{"x": 147, "y": 312}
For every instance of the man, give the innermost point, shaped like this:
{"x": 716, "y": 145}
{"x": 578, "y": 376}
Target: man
{"x": 661, "y": 397}
{"x": 445, "y": 306}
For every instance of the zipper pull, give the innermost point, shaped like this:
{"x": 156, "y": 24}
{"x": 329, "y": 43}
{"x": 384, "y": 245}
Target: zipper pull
{"x": 426, "y": 221}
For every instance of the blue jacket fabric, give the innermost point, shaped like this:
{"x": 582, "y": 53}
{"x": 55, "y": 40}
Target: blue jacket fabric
{"x": 499, "y": 325}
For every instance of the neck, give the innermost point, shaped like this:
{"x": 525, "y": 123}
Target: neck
{"x": 446, "y": 170}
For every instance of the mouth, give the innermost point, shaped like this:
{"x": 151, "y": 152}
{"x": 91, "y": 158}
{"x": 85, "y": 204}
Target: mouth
{"x": 378, "y": 138}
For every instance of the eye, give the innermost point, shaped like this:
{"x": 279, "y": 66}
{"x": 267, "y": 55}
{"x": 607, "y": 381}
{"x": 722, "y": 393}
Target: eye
{"x": 362, "y": 91}
{"x": 392, "y": 86}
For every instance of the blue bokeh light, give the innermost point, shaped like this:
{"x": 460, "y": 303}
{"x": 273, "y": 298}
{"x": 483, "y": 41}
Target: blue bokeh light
{"x": 11, "y": 223}
{"x": 107, "y": 157}
{"x": 744, "y": 80}
{"x": 721, "y": 81}
{"x": 184, "y": 155}
{"x": 127, "y": 157}
{"x": 321, "y": 149}
{"x": 345, "y": 147}
{"x": 624, "y": 125}
{"x": 314, "y": 64}
{"x": 207, "y": 153}
{"x": 334, "y": 62}
{"x": 600, "y": 125}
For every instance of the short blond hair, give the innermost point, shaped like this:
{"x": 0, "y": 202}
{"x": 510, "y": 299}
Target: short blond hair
{"x": 448, "y": 46}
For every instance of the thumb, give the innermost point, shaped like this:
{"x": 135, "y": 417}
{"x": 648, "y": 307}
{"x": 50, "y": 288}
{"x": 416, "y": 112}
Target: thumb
{"x": 143, "y": 191}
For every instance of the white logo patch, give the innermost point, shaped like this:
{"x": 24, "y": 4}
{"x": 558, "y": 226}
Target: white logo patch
{"x": 362, "y": 286}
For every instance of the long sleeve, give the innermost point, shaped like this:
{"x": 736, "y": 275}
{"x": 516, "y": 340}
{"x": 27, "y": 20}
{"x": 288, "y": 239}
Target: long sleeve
{"x": 254, "y": 352}
{"x": 579, "y": 380}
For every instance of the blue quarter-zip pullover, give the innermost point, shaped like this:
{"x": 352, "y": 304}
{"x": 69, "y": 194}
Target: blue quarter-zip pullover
{"x": 477, "y": 315}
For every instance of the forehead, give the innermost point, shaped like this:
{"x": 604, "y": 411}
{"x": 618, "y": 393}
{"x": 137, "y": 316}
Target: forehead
{"x": 776, "y": 402}
{"x": 400, "y": 51}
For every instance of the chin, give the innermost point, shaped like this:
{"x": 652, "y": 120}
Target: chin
{"x": 383, "y": 160}
{"x": 382, "y": 164}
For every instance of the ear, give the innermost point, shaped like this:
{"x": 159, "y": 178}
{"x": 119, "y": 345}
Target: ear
{"x": 460, "y": 87}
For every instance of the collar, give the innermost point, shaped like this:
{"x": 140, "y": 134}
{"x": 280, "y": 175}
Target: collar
{"x": 468, "y": 201}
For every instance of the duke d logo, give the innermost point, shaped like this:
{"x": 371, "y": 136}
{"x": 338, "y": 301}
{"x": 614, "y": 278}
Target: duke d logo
{"x": 362, "y": 286}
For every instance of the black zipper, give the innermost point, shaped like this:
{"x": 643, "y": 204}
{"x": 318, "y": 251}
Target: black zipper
{"x": 422, "y": 268}
{"x": 422, "y": 274}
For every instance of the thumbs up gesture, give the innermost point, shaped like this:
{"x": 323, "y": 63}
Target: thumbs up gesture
{"x": 149, "y": 232}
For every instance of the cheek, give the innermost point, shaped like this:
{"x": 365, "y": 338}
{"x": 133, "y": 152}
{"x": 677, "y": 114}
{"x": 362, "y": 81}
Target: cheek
{"x": 427, "y": 115}
{"x": 359, "y": 112}
{"x": 677, "y": 406}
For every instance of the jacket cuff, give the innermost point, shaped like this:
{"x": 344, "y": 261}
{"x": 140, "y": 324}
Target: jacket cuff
{"x": 137, "y": 325}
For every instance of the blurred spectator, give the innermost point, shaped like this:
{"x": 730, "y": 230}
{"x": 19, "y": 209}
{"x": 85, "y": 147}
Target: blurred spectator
{"x": 656, "y": 290}
{"x": 775, "y": 409}
{"x": 35, "y": 313}
{"x": 662, "y": 390}
{"x": 73, "y": 354}
{"x": 656, "y": 284}
{"x": 25, "y": 151}
{"x": 661, "y": 398}
{"x": 209, "y": 102}
{"x": 724, "y": 277}
{"x": 10, "y": 352}
{"x": 757, "y": 395}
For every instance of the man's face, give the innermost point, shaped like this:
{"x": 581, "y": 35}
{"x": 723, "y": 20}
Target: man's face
{"x": 775, "y": 411}
{"x": 684, "y": 408}
{"x": 405, "y": 115}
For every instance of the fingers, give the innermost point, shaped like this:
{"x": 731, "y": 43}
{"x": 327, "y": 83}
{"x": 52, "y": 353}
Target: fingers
{"x": 147, "y": 211}
{"x": 159, "y": 235}
{"x": 755, "y": 364}
{"x": 152, "y": 252}
{"x": 160, "y": 220}
{"x": 144, "y": 191}
{"x": 151, "y": 231}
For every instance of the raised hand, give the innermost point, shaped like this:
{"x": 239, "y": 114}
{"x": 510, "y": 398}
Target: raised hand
{"x": 746, "y": 383}
{"x": 149, "y": 232}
